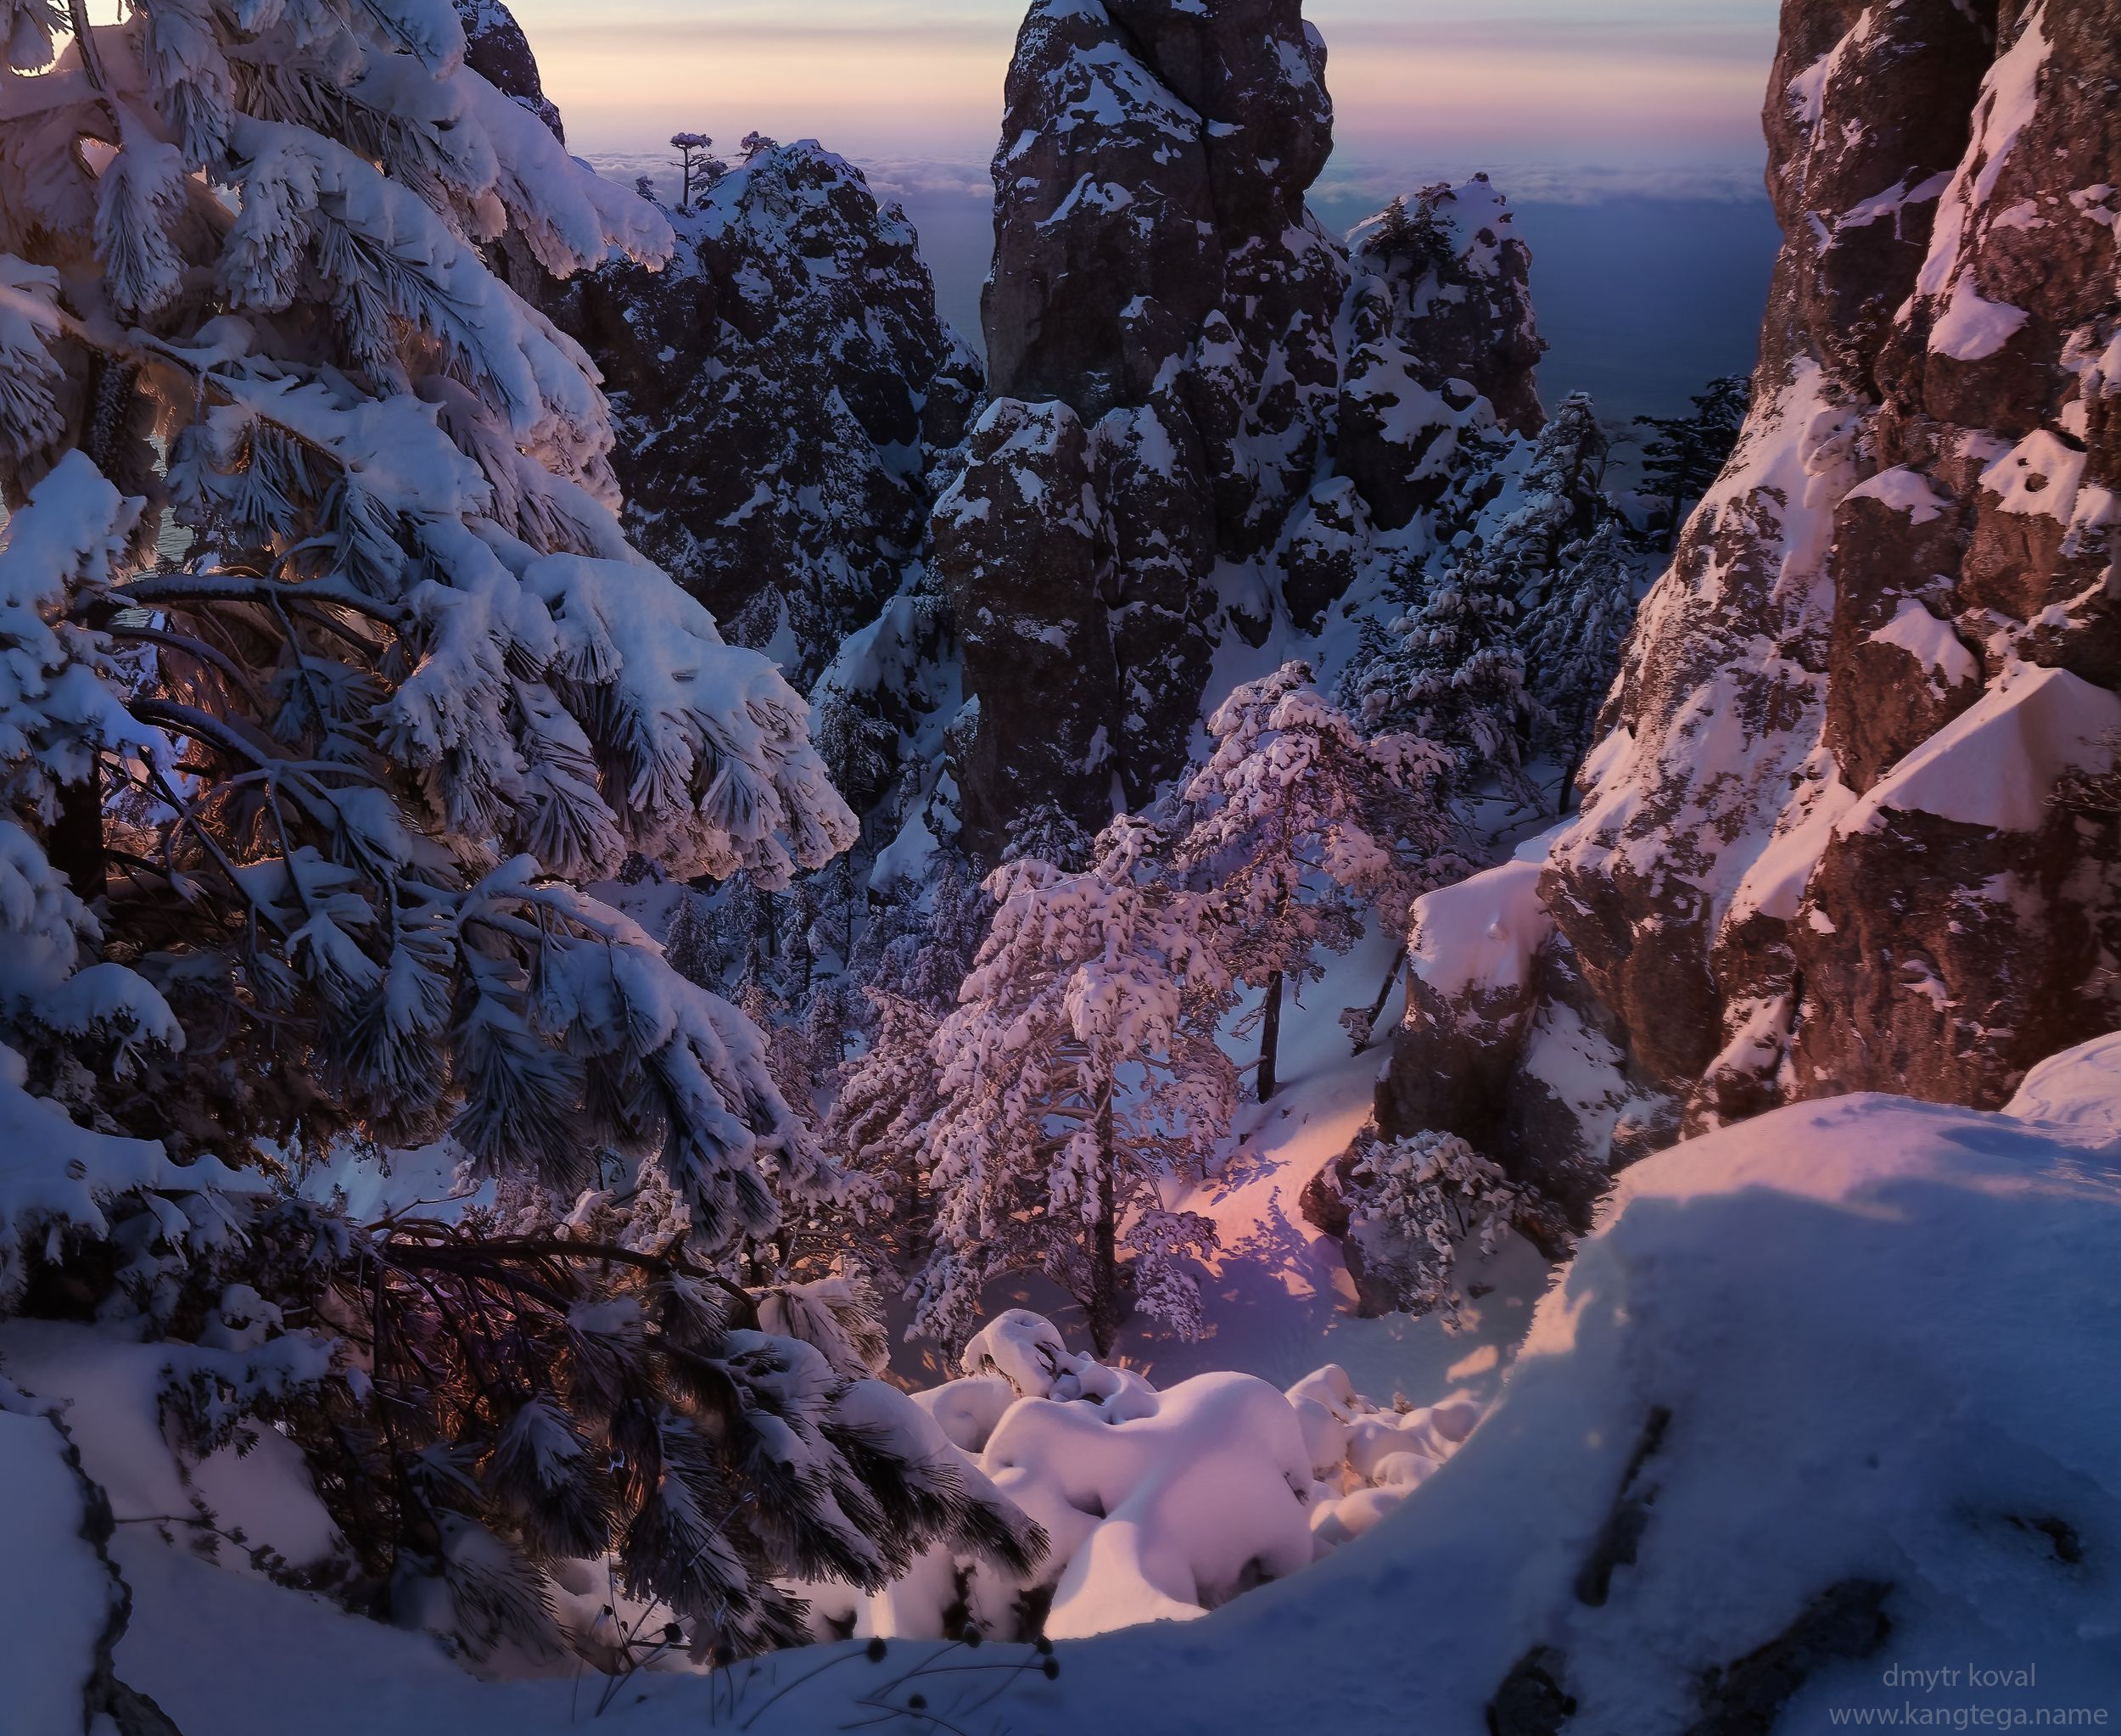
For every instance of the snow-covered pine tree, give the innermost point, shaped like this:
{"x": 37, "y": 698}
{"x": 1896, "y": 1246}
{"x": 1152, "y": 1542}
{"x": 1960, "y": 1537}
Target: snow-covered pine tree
{"x": 922, "y": 936}
{"x": 1564, "y": 496}
{"x": 1689, "y": 451}
{"x": 1414, "y": 236}
{"x": 1573, "y": 637}
{"x": 324, "y": 829}
{"x": 1451, "y": 670}
{"x": 1078, "y": 1073}
{"x": 546, "y": 1397}
{"x": 1456, "y": 667}
{"x": 1416, "y": 1202}
{"x": 71, "y": 1023}
{"x": 878, "y": 1124}
{"x": 693, "y": 942}
{"x": 697, "y": 165}
{"x": 416, "y": 680}
{"x": 1303, "y": 826}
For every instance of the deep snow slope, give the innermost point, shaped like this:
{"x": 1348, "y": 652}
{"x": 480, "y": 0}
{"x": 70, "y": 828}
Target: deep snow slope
{"x": 1883, "y": 1332}
{"x": 1881, "y": 1336}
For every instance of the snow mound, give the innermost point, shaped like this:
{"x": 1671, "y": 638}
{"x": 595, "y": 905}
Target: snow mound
{"x": 2079, "y": 1090}
{"x": 1160, "y": 1505}
{"x": 1482, "y": 932}
{"x": 1825, "y": 1401}
{"x": 50, "y": 1639}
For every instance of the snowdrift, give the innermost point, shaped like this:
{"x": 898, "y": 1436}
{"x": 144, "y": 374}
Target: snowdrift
{"x": 1158, "y": 1505}
{"x": 1827, "y": 1400}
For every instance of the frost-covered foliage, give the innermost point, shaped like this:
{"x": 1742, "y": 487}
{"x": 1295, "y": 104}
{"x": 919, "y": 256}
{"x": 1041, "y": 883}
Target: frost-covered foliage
{"x": 1574, "y": 634}
{"x": 1451, "y": 670}
{"x": 296, "y": 826}
{"x": 544, "y": 1401}
{"x": 920, "y": 937}
{"x": 1303, "y": 826}
{"x": 1412, "y": 235}
{"x": 878, "y": 1124}
{"x": 1077, "y": 1072}
{"x": 1414, "y": 1202}
{"x": 1159, "y": 1503}
{"x": 69, "y": 1021}
{"x": 1563, "y": 495}
{"x": 411, "y": 682}
{"x": 1508, "y": 651}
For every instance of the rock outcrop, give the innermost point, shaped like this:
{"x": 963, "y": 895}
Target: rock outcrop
{"x": 779, "y": 390}
{"x": 1158, "y": 273}
{"x": 1854, "y": 824}
{"x": 496, "y": 49}
{"x": 1019, "y": 523}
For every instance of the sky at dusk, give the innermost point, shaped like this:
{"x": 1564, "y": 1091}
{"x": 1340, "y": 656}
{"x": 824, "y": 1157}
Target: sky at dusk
{"x": 1627, "y": 133}
{"x": 1659, "y": 93}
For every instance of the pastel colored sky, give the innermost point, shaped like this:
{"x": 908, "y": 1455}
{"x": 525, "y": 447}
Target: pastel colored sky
{"x": 1647, "y": 89}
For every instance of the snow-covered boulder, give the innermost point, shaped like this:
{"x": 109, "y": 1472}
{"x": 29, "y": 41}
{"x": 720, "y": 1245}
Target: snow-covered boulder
{"x": 1157, "y": 1505}
{"x": 1504, "y": 1044}
{"x": 1162, "y": 1514}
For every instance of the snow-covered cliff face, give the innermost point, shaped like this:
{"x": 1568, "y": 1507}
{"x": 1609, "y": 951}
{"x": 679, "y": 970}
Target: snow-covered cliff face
{"x": 1853, "y": 825}
{"x": 778, "y": 391}
{"x": 1251, "y": 401}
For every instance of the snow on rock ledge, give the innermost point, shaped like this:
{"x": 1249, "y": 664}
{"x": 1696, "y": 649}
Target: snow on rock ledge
{"x": 1479, "y": 935}
{"x": 1994, "y": 764}
{"x": 2079, "y": 1090}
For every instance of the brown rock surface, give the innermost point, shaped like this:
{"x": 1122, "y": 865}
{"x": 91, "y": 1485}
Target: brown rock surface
{"x": 1157, "y": 270}
{"x": 1830, "y": 842}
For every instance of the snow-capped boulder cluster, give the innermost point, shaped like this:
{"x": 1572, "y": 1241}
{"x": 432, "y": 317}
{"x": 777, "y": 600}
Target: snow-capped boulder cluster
{"x": 1161, "y": 293}
{"x": 1853, "y": 822}
{"x": 778, "y": 390}
{"x": 1157, "y": 1505}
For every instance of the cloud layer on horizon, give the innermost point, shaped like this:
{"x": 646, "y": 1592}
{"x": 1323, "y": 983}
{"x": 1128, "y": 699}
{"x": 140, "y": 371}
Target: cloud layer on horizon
{"x": 1346, "y": 180}
{"x": 1666, "y": 89}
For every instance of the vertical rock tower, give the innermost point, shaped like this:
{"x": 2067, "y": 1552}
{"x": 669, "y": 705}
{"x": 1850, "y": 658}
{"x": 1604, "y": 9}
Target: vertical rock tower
{"x": 1172, "y": 401}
